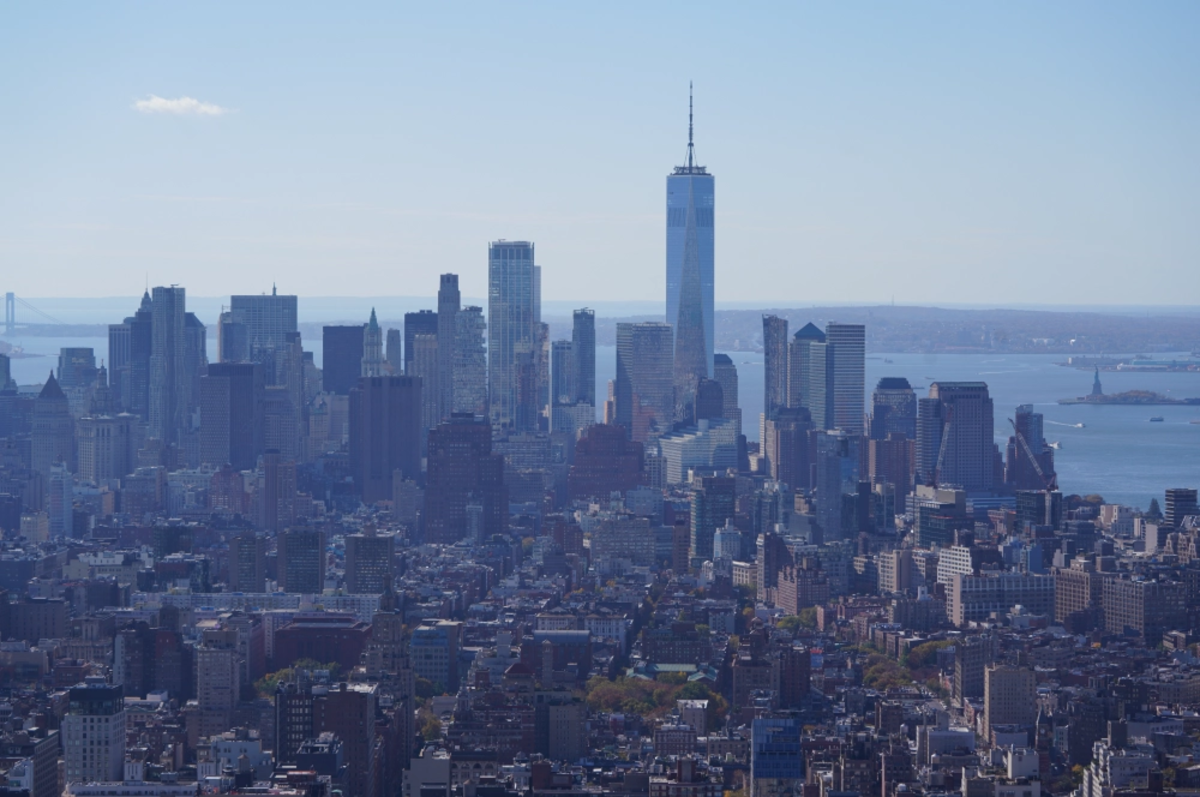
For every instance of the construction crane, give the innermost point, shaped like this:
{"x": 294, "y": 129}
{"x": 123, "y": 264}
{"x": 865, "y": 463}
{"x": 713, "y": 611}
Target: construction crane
{"x": 1051, "y": 482}
{"x": 937, "y": 468}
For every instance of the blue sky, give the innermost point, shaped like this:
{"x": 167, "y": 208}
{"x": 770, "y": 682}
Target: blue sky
{"x": 930, "y": 152}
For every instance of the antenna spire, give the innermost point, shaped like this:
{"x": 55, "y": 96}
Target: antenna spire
{"x": 690, "y": 145}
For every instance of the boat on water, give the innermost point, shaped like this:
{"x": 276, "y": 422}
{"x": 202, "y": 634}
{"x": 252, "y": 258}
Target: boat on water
{"x": 886, "y": 361}
{"x": 1055, "y": 445}
{"x": 1081, "y": 426}
{"x": 1156, "y": 419}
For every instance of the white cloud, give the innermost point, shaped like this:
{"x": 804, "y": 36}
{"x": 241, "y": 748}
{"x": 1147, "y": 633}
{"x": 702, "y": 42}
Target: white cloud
{"x": 181, "y": 106}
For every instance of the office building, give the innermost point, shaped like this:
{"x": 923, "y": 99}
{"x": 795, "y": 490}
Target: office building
{"x": 93, "y": 733}
{"x": 448, "y": 300}
{"x": 1009, "y": 697}
{"x": 301, "y": 560}
{"x": 372, "y": 356}
{"x": 232, "y": 415}
{"x": 369, "y": 562}
{"x": 1030, "y": 460}
{"x": 233, "y": 340}
{"x": 955, "y": 431}
{"x": 890, "y": 461}
{"x": 433, "y": 650}
{"x": 514, "y": 318}
{"x": 129, "y": 360}
{"x": 975, "y": 598}
{"x": 470, "y": 362}
{"x": 341, "y": 359}
{"x": 690, "y": 265}
{"x": 643, "y": 389}
{"x": 775, "y": 365}
{"x": 837, "y": 478}
{"x": 562, "y": 374}
{"x": 53, "y": 432}
{"x": 776, "y": 759}
{"x": 385, "y": 433}
{"x": 177, "y": 355}
{"x": 267, "y": 320}
{"x": 424, "y": 366}
{"x": 808, "y": 372}
{"x": 76, "y": 367}
{"x": 786, "y": 447}
{"x": 893, "y": 409}
{"x": 710, "y": 445}
{"x": 6, "y": 380}
{"x": 846, "y": 376}
{"x": 463, "y": 471}
{"x": 583, "y": 348}
{"x": 393, "y": 351}
{"x": 1143, "y": 609}
{"x": 972, "y": 656}
{"x": 248, "y": 563}
{"x": 713, "y": 503}
{"x": 1180, "y": 503}
{"x": 725, "y": 374}
{"x": 106, "y": 447}
{"x": 423, "y": 322}
{"x": 606, "y": 461}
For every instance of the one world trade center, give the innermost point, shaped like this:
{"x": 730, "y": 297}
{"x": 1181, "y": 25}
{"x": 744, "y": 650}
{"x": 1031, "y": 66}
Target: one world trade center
{"x": 690, "y": 198}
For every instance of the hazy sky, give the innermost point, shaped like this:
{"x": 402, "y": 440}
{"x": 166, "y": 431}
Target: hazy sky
{"x": 930, "y": 152}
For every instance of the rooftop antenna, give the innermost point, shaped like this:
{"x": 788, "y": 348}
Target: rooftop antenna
{"x": 690, "y": 145}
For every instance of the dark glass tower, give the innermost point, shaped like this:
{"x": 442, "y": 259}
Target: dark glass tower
{"x": 690, "y": 284}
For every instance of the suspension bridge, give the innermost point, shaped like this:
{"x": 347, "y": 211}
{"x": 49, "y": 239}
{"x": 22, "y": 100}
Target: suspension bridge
{"x": 11, "y": 300}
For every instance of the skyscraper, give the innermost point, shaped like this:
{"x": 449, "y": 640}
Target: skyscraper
{"x": 385, "y": 433}
{"x": 424, "y": 365}
{"x": 893, "y": 409}
{"x": 448, "y": 300}
{"x": 423, "y": 322}
{"x": 232, "y": 408}
{"x": 713, "y": 503}
{"x": 562, "y": 373}
{"x": 690, "y": 271}
{"x": 837, "y": 482}
{"x": 267, "y": 318}
{"x": 643, "y": 389}
{"x": 53, "y": 437}
{"x": 170, "y": 382}
{"x": 342, "y": 356}
{"x": 955, "y": 437}
{"x": 463, "y": 471}
{"x": 514, "y": 316}
{"x": 129, "y": 360}
{"x": 808, "y": 372}
{"x": 847, "y": 388}
{"x": 301, "y": 562}
{"x": 583, "y": 344}
{"x": 470, "y": 362}
{"x": 393, "y": 351}
{"x": 1030, "y": 463}
{"x": 725, "y": 372}
{"x": 775, "y": 364}
{"x": 372, "y": 357}
{"x": 93, "y": 733}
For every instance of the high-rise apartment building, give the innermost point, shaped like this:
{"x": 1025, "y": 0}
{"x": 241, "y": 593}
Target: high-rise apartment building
{"x": 385, "y": 433}
{"x": 1180, "y": 503}
{"x": 232, "y": 415}
{"x": 301, "y": 562}
{"x": 690, "y": 265}
{"x": 470, "y": 362}
{"x": 644, "y": 391}
{"x": 372, "y": 358}
{"x": 341, "y": 359}
{"x": 808, "y": 372}
{"x": 463, "y": 472}
{"x": 448, "y": 300}
{"x": 955, "y": 431}
{"x": 893, "y": 409}
{"x": 93, "y": 733}
{"x": 847, "y": 368}
{"x": 775, "y": 364}
{"x": 248, "y": 562}
{"x": 514, "y": 318}
{"x": 1009, "y": 697}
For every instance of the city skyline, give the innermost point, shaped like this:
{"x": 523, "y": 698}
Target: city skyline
{"x": 861, "y": 150}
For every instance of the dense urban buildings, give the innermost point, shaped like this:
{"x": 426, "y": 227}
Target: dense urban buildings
{"x": 418, "y": 564}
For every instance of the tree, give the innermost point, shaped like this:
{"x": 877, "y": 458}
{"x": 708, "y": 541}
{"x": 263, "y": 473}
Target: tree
{"x": 808, "y": 617}
{"x": 431, "y": 727}
{"x": 1154, "y": 512}
{"x": 789, "y": 623}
